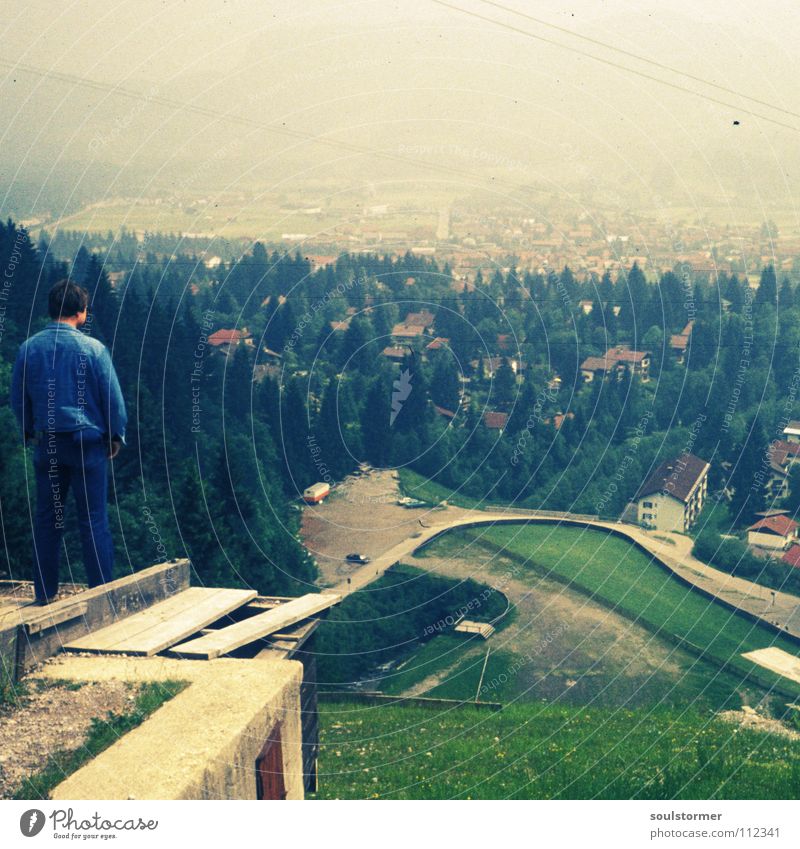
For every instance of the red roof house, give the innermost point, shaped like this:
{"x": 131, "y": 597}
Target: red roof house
{"x": 792, "y": 557}
{"x": 495, "y": 421}
{"x": 226, "y": 340}
{"x": 614, "y": 362}
{"x": 437, "y": 344}
{"x": 772, "y": 532}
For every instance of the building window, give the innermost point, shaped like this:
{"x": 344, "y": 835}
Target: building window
{"x": 648, "y": 503}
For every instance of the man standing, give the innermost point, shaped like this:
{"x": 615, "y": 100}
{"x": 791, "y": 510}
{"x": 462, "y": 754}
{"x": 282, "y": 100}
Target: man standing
{"x": 66, "y": 397}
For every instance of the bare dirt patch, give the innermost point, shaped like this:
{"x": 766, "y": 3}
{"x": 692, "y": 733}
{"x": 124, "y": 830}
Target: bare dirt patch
{"x": 749, "y": 718}
{"x": 565, "y": 645}
{"x": 361, "y": 516}
{"x": 50, "y": 718}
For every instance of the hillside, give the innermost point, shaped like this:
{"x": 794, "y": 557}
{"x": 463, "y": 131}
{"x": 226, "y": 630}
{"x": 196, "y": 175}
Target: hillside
{"x": 541, "y": 751}
{"x": 617, "y": 575}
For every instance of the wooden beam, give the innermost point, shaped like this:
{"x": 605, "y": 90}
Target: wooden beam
{"x": 297, "y": 632}
{"x": 164, "y": 624}
{"x": 106, "y": 603}
{"x": 226, "y": 640}
{"x": 131, "y": 592}
{"x": 51, "y": 618}
{"x": 295, "y": 639}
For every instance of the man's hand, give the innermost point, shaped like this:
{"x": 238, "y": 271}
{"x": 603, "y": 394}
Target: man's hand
{"x": 113, "y": 448}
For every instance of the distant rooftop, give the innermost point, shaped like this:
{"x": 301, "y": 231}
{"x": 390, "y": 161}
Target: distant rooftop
{"x": 495, "y": 421}
{"x": 226, "y": 337}
{"x": 792, "y": 556}
{"x": 677, "y": 477}
{"x": 781, "y": 525}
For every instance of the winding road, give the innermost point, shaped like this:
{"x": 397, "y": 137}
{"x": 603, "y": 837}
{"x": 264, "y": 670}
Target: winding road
{"x": 778, "y": 610}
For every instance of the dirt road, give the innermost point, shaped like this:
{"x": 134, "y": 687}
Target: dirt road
{"x": 363, "y": 516}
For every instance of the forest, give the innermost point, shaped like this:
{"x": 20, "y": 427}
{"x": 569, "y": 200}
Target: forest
{"x": 223, "y": 439}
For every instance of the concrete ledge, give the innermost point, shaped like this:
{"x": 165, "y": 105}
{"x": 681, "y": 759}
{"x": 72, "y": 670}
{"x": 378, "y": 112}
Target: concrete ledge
{"x": 203, "y": 743}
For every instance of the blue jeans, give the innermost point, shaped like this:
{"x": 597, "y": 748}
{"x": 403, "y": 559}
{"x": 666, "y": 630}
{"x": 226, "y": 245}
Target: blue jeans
{"x": 78, "y": 460}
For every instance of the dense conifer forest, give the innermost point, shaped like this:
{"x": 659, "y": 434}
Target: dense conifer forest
{"x": 223, "y": 439}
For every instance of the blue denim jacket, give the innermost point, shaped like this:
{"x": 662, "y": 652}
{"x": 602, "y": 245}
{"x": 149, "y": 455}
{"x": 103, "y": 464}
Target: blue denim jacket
{"x": 64, "y": 380}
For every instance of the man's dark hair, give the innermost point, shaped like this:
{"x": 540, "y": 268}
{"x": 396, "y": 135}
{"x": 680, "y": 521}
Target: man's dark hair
{"x": 66, "y": 299}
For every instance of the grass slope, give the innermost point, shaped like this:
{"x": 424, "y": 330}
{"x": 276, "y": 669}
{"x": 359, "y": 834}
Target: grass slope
{"x": 548, "y": 752}
{"x": 391, "y": 618}
{"x": 434, "y": 658}
{"x": 418, "y": 486}
{"x": 612, "y": 571}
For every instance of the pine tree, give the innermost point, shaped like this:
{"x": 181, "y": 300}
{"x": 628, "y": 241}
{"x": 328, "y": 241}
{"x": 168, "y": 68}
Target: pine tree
{"x": 334, "y": 432}
{"x": 375, "y": 424}
{"x": 767, "y": 292}
{"x": 445, "y": 383}
{"x": 358, "y": 351}
{"x": 504, "y": 384}
{"x": 786, "y": 296}
{"x": 293, "y": 438}
{"x": 748, "y": 477}
{"x": 634, "y": 301}
{"x": 734, "y": 293}
{"x": 237, "y": 389}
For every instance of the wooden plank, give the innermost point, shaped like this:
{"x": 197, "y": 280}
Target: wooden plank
{"x": 258, "y": 606}
{"x": 51, "y": 618}
{"x": 10, "y": 605}
{"x": 256, "y": 627}
{"x": 106, "y": 604}
{"x": 164, "y": 624}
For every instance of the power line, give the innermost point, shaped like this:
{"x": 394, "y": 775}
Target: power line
{"x": 616, "y": 65}
{"x": 639, "y": 58}
{"x": 279, "y": 129}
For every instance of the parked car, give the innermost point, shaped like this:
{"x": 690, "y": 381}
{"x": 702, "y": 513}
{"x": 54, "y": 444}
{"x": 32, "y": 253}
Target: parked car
{"x": 361, "y": 559}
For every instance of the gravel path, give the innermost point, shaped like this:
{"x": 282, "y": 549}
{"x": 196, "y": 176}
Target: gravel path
{"x": 52, "y": 718}
{"x": 362, "y": 516}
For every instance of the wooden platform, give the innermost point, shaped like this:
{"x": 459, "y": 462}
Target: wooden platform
{"x": 164, "y": 624}
{"x": 776, "y": 660}
{"x": 467, "y": 626}
{"x": 29, "y": 634}
{"x": 226, "y": 640}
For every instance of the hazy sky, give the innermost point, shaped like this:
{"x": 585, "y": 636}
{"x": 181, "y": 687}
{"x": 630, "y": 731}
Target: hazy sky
{"x": 414, "y": 79}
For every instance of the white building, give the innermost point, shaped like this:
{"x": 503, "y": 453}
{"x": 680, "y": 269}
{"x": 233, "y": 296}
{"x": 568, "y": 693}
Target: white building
{"x": 674, "y": 494}
{"x": 792, "y": 431}
{"x": 776, "y": 532}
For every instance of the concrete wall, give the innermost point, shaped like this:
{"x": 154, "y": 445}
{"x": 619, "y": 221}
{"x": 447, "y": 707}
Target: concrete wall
{"x": 668, "y": 512}
{"x": 767, "y": 540}
{"x": 203, "y": 743}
